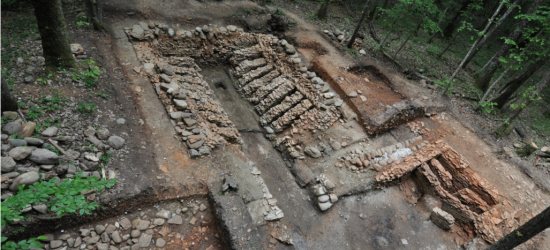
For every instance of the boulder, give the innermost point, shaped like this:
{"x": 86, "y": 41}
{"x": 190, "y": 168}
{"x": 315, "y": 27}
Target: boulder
{"x": 137, "y": 32}
{"x": 34, "y": 141}
{"x": 11, "y": 127}
{"x": 50, "y": 132}
{"x": 313, "y": 152}
{"x": 44, "y": 156}
{"x": 180, "y": 104}
{"x": 116, "y": 142}
{"x": 26, "y": 130}
{"x": 26, "y": 178}
{"x": 8, "y": 164}
{"x": 20, "y": 153}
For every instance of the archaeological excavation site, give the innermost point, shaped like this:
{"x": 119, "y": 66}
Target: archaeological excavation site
{"x": 266, "y": 133}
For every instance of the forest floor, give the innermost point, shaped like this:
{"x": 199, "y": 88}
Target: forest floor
{"x": 155, "y": 171}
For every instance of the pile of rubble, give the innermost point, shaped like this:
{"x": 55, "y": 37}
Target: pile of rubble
{"x": 359, "y": 161}
{"x": 466, "y": 197}
{"x": 323, "y": 190}
{"x": 157, "y": 228}
{"x": 29, "y": 157}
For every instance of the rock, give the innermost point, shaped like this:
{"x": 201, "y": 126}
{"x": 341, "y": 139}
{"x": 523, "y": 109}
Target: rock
{"x": 99, "y": 229}
{"x": 8, "y": 164}
{"x": 102, "y": 246}
{"x": 29, "y": 79}
{"x": 163, "y": 214}
{"x": 17, "y": 143}
{"x": 352, "y": 94}
{"x": 180, "y": 104}
{"x": 125, "y": 223}
{"x": 319, "y": 190}
{"x": 41, "y": 208}
{"x": 120, "y": 121}
{"x": 137, "y": 32}
{"x": 333, "y": 198}
{"x": 363, "y": 98}
{"x": 135, "y": 233}
{"x": 56, "y": 243}
{"x": 229, "y": 183}
{"x": 442, "y": 219}
{"x": 165, "y": 78}
{"x": 195, "y": 145}
{"x": 44, "y": 156}
{"x": 202, "y": 207}
{"x": 176, "y": 220}
{"x": 116, "y": 237}
{"x": 338, "y": 102}
{"x": 171, "y": 32}
{"x": 50, "y": 132}
{"x": 158, "y": 222}
{"x": 142, "y": 225}
{"x": 145, "y": 240}
{"x": 20, "y": 153}
{"x": 324, "y": 205}
{"x": 89, "y": 132}
{"x": 105, "y": 237}
{"x": 77, "y": 49}
{"x": 323, "y": 198}
{"x": 144, "y": 26}
{"x": 26, "y": 130}
{"x": 313, "y": 152}
{"x": 84, "y": 232}
{"x": 204, "y": 150}
{"x": 336, "y": 145}
{"x": 340, "y": 38}
{"x": 116, "y": 142}
{"x": 11, "y": 127}
{"x": 231, "y": 28}
{"x": 194, "y": 153}
{"x": 329, "y": 95}
{"x": 72, "y": 155}
{"x": 544, "y": 149}
{"x": 34, "y": 141}
{"x": 269, "y": 130}
{"x": 27, "y": 178}
{"x": 362, "y": 52}
{"x": 160, "y": 242}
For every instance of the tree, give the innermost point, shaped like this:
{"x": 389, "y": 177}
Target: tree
{"x": 525, "y": 232}
{"x": 530, "y": 95}
{"x": 473, "y": 46}
{"x": 372, "y": 12}
{"x": 490, "y": 32}
{"x": 398, "y": 13}
{"x": 450, "y": 28}
{"x": 363, "y": 15}
{"x": 53, "y": 31}
{"x": 322, "y": 13}
{"x": 9, "y": 103}
{"x": 483, "y": 81}
{"x": 511, "y": 86}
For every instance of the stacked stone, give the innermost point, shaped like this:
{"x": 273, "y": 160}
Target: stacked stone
{"x": 359, "y": 161}
{"x": 324, "y": 192}
{"x": 281, "y": 108}
{"x": 289, "y": 117}
{"x": 260, "y": 82}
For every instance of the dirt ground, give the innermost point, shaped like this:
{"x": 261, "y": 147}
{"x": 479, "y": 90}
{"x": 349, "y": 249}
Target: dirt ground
{"x": 157, "y": 170}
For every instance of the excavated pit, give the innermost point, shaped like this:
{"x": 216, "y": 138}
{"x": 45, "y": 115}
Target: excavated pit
{"x": 264, "y": 87}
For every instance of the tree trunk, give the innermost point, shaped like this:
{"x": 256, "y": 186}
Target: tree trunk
{"x": 515, "y": 83}
{"x": 439, "y": 22}
{"x": 450, "y": 28}
{"x": 408, "y": 38}
{"x": 393, "y": 25}
{"x": 454, "y": 37}
{"x": 483, "y": 81}
{"x": 490, "y": 32}
{"x": 89, "y": 10}
{"x": 372, "y": 12}
{"x": 543, "y": 83}
{"x": 473, "y": 46}
{"x": 365, "y": 12}
{"x": 506, "y": 71}
{"x": 322, "y": 13}
{"x": 53, "y": 31}
{"x": 9, "y": 103}
{"x": 383, "y": 7}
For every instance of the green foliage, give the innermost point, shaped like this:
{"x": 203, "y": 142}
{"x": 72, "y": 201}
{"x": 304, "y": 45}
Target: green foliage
{"x": 89, "y": 76}
{"x": 24, "y": 244}
{"x": 106, "y": 157}
{"x": 248, "y": 11}
{"x": 63, "y": 198}
{"x": 313, "y": 16}
{"x": 34, "y": 112}
{"x": 352, "y": 52}
{"x": 42, "y": 125}
{"x": 86, "y": 108}
{"x": 488, "y": 107}
{"x": 278, "y": 12}
{"x": 347, "y": 20}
